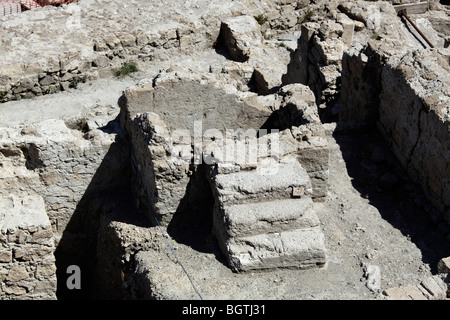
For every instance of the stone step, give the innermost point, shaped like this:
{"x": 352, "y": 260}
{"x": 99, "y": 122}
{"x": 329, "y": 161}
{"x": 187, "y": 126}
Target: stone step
{"x": 301, "y": 248}
{"x": 252, "y": 186}
{"x": 264, "y": 217}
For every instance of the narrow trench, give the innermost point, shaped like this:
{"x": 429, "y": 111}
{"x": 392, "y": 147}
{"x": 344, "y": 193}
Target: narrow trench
{"x": 192, "y": 223}
{"x": 108, "y": 194}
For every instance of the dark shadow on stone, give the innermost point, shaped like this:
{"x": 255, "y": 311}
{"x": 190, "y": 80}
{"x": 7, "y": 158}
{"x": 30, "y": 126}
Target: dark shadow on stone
{"x": 225, "y": 45}
{"x": 192, "y": 222}
{"x": 111, "y": 127}
{"x": 108, "y": 189}
{"x": 31, "y": 154}
{"x": 284, "y": 118}
{"x": 378, "y": 176}
{"x": 220, "y": 46}
{"x": 258, "y": 85}
{"x": 253, "y": 85}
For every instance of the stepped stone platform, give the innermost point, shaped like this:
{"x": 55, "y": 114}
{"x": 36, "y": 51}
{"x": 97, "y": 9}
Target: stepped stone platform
{"x": 261, "y": 194}
{"x": 269, "y": 216}
{"x": 250, "y": 185}
{"x": 300, "y": 248}
{"x": 263, "y": 222}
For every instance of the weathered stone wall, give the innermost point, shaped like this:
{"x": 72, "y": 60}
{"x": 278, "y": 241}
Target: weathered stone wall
{"x": 60, "y": 160}
{"x": 50, "y": 49}
{"x": 333, "y": 45}
{"x": 27, "y": 263}
{"x": 414, "y": 118}
{"x": 65, "y": 168}
{"x": 155, "y": 115}
{"x": 396, "y": 83}
{"x": 362, "y": 63}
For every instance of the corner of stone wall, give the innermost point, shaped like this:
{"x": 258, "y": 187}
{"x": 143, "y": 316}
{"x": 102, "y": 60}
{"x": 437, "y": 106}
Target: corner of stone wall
{"x": 27, "y": 262}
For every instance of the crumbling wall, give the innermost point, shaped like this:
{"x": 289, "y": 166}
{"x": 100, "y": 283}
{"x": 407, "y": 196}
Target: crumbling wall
{"x": 317, "y": 62}
{"x": 58, "y": 171}
{"x": 51, "y": 49}
{"x": 166, "y": 120}
{"x": 393, "y": 81}
{"x": 27, "y": 263}
{"x": 361, "y": 81}
{"x": 335, "y": 42}
{"x": 414, "y": 119}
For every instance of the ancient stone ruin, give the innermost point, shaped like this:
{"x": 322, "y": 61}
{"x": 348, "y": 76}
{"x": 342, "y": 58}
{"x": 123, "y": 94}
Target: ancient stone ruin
{"x": 218, "y": 169}
{"x": 252, "y": 175}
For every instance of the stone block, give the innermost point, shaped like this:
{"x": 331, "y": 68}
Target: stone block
{"x": 101, "y": 61}
{"x": 249, "y": 186}
{"x": 45, "y": 271}
{"x": 137, "y": 99}
{"x": 396, "y": 294}
{"x": 347, "y": 35}
{"x": 17, "y": 273}
{"x": 302, "y": 248}
{"x": 314, "y": 156}
{"x": 48, "y": 80}
{"x": 266, "y": 217}
{"x": 52, "y": 177}
{"x": 405, "y": 293}
{"x": 14, "y": 290}
{"x": 126, "y": 39}
{"x": 42, "y": 236}
{"x": 111, "y": 41}
{"x": 240, "y": 34}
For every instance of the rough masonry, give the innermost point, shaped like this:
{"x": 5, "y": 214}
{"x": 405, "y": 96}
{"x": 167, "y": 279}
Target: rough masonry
{"x": 64, "y": 180}
{"x": 165, "y": 162}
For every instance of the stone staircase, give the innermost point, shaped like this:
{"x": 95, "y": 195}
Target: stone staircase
{"x": 267, "y": 221}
